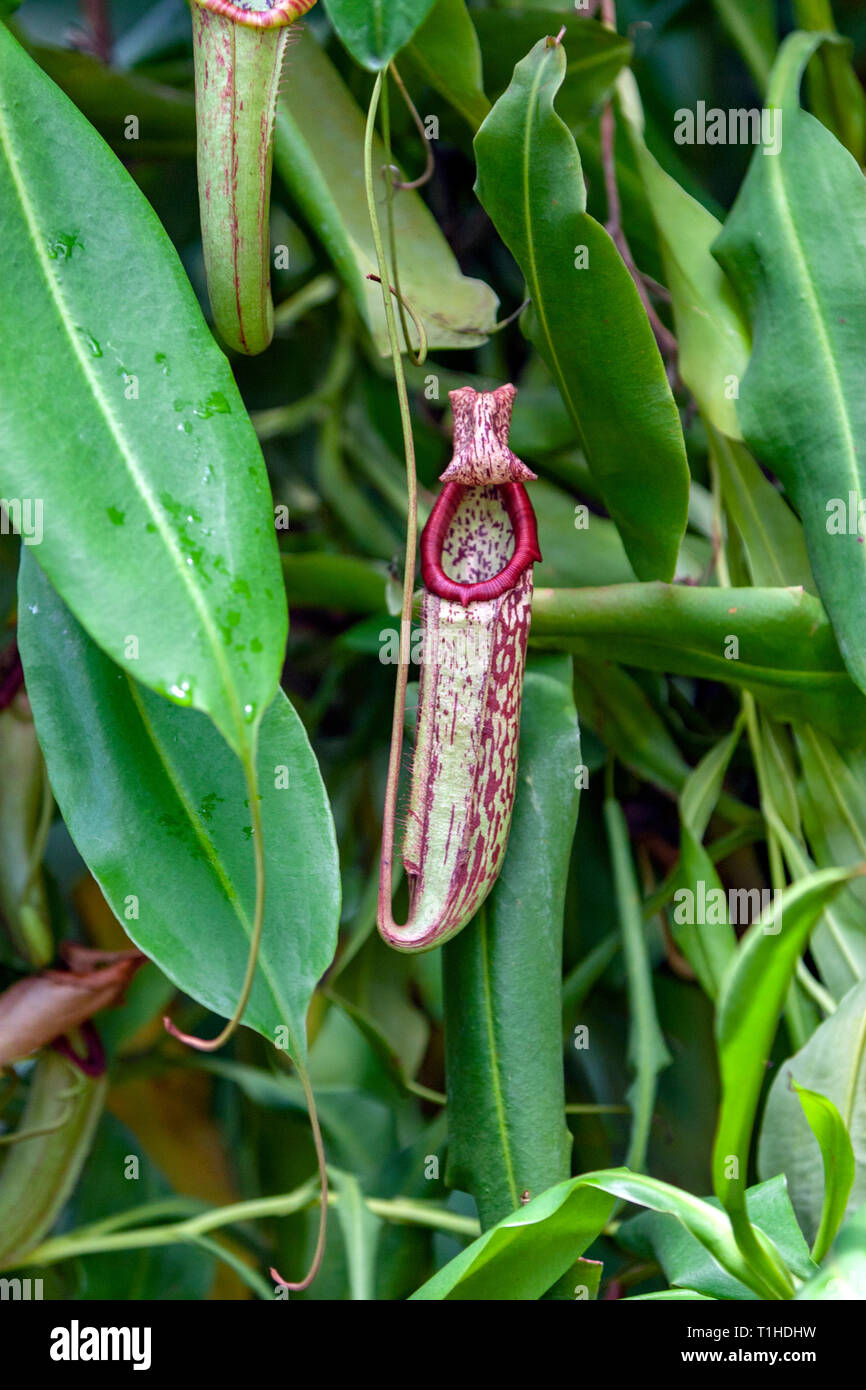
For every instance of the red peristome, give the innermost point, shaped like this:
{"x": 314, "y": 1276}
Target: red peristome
{"x": 283, "y": 12}
{"x": 526, "y": 551}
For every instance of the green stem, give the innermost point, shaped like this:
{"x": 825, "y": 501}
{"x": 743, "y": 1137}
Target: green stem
{"x": 93, "y": 1240}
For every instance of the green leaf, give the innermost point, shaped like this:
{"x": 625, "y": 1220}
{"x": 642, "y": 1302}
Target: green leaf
{"x": 157, "y": 520}
{"x": 835, "y": 93}
{"x": 613, "y": 704}
{"x": 321, "y": 162}
{"x": 843, "y": 1273}
{"x": 173, "y": 1271}
{"x": 752, "y": 26}
{"x": 502, "y": 976}
{"x": 712, "y": 334}
{"x": 527, "y": 1252}
{"x": 445, "y": 53}
{"x": 588, "y": 324}
{"x": 832, "y": 798}
{"x": 771, "y": 534}
{"x": 647, "y": 1053}
{"x": 832, "y": 1065}
{"x": 787, "y": 654}
{"x": 166, "y": 116}
{"x": 595, "y": 54}
{"x": 751, "y": 999}
{"x": 374, "y": 31}
{"x": 829, "y": 1129}
{"x": 361, "y": 1231}
{"x": 158, "y": 808}
{"x": 802, "y": 406}
{"x": 709, "y": 948}
{"x": 689, "y": 1265}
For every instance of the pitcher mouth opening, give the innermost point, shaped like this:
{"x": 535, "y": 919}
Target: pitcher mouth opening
{"x": 522, "y": 517}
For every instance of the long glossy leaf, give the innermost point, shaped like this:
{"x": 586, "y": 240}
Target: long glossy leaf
{"x": 753, "y": 993}
{"x": 586, "y": 318}
{"x": 446, "y": 54}
{"x": 374, "y": 31}
{"x": 155, "y": 508}
{"x": 595, "y": 54}
{"x": 503, "y": 973}
{"x": 801, "y": 275}
{"x": 837, "y": 1154}
{"x": 516, "y": 1258}
{"x": 318, "y": 152}
{"x": 158, "y": 808}
{"x": 786, "y": 653}
{"x": 712, "y": 334}
{"x": 832, "y": 1064}
{"x": 524, "y": 1255}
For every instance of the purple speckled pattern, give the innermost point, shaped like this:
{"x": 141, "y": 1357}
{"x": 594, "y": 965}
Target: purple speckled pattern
{"x": 466, "y": 744}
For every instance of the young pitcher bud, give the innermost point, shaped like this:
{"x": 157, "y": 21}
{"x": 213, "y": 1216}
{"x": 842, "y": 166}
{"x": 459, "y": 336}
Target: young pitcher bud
{"x": 477, "y": 553}
{"x": 238, "y": 51}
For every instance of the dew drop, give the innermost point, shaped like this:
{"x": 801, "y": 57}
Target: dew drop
{"x": 63, "y": 245}
{"x": 95, "y": 348}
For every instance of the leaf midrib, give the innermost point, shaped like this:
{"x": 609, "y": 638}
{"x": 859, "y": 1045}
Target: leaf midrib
{"x": 140, "y": 483}
{"x": 210, "y": 851}
{"x": 813, "y": 305}
{"x": 495, "y": 1071}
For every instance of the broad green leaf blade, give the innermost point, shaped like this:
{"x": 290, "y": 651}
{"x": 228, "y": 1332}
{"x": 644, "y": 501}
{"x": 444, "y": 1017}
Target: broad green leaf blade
{"x": 514, "y": 1259}
{"x": 843, "y": 1274}
{"x": 524, "y": 1255}
{"x": 752, "y": 995}
{"x": 595, "y": 54}
{"x": 712, "y": 334}
{"x": 786, "y": 653}
{"x": 586, "y": 318}
{"x": 374, "y": 31}
{"x": 647, "y": 1052}
{"x": 153, "y": 496}
{"x": 502, "y": 976}
{"x": 689, "y": 1265}
{"x": 445, "y": 53}
{"x": 802, "y": 406}
{"x": 833, "y": 1065}
{"x": 829, "y": 1129}
{"x": 321, "y": 162}
{"x": 157, "y": 806}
